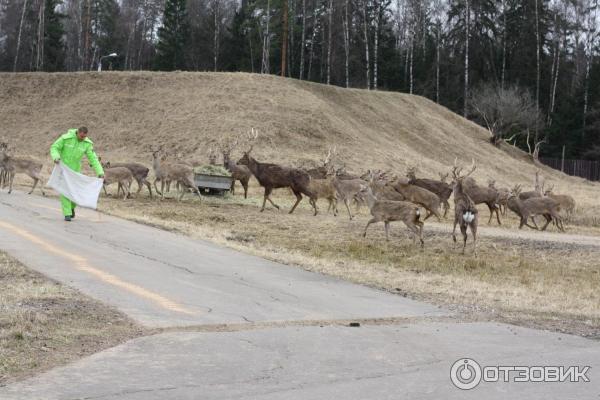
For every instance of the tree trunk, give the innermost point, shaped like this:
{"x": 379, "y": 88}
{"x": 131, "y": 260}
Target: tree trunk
{"x": 467, "y": 34}
{"x": 503, "y": 43}
{"x": 347, "y": 44}
{"x": 312, "y": 41}
{"x": 39, "y": 58}
{"x": 329, "y": 28}
{"x": 88, "y": 27}
{"x": 302, "y": 40}
{"x": 284, "y": 37}
{"x": 366, "y": 37}
{"x": 537, "y": 73}
{"x": 437, "y": 64}
{"x": 291, "y": 35}
{"x": 217, "y": 32}
{"x": 265, "y": 69}
{"x": 251, "y": 52}
{"x": 376, "y": 44}
{"x": 412, "y": 46}
{"x": 19, "y": 36}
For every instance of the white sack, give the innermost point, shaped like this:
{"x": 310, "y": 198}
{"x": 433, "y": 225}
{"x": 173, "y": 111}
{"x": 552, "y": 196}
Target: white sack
{"x": 81, "y": 189}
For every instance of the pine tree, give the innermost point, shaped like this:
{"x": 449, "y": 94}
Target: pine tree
{"x": 172, "y": 37}
{"x": 54, "y": 49}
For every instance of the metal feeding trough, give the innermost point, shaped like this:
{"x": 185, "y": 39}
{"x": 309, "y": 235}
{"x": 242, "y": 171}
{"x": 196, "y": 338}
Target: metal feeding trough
{"x": 213, "y": 184}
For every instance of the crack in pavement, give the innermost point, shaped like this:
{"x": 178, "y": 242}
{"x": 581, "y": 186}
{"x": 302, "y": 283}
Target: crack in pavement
{"x": 263, "y": 325}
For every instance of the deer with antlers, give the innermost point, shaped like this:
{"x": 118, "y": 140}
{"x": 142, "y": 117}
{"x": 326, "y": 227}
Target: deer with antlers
{"x": 537, "y": 192}
{"x": 502, "y": 197}
{"x": 525, "y": 209}
{"x": 465, "y": 211}
{"x": 274, "y": 176}
{"x": 321, "y": 172}
{"x": 440, "y": 188}
{"x": 182, "y": 174}
{"x": 418, "y": 195}
{"x": 16, "y": 165}
{"x": 387, "y": 211}
{"x": 483, "y": 195}
{"x": 566, "y": 202}
{"x": 239, "y": 173}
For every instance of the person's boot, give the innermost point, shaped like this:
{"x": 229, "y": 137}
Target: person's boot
{"x": 68, "y": 218}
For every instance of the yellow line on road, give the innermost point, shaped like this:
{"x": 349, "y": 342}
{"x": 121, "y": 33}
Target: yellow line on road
{"x": 82, "y": 264}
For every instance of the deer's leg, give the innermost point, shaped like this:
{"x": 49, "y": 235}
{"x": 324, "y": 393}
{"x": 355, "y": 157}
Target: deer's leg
{"x": 386, "y": 225}
{"x": 497, "y": 215}
{"x": 298, "y": 200}
{"x": 348, "y": 208}
{"x": 149, "y": 186}
{"x": 335, "y": 209}
{"x": 371, "y": 221}
{"x": 446, "y": 207}
{"x": 266, "y": 197}
{"x": 183, "y": 190}
{"x": 463, "y": 230}
{"x": 559, "y": 220}
{"x": 245, "y": 185}
{"x": 35, "y": 182}
{"x": 313, "y": 203}
{"x": 474, "y": 233}
{"x": 454, "y": 230}
{"x": 271, "y": 201}
{"x": 162, "y": 189}
{"x": 123, "y": 186}
{"x": 491, "y": 213}
{"x": 548, "y": 220}
{"x": 156, "y": 187}
{"x": 10, "y": 182}
{"x": 420, "y": 225}
{"x": 429, "y": 214}
{"x": 140, "y": 182}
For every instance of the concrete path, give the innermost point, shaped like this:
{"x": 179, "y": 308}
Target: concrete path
{"x": 278, "y": 341}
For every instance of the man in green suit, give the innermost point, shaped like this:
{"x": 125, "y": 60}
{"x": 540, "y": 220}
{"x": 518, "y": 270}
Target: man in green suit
{"x": 70, "y": 148}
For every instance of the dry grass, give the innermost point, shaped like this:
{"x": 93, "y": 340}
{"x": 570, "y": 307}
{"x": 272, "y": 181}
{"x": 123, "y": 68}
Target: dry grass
{"x": 527, "y": 281}
{"x": 127, "y": 113}
{"x": 44, "y": 324}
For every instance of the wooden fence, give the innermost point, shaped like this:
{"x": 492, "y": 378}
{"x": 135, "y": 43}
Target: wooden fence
{"x": 584, "y": 168}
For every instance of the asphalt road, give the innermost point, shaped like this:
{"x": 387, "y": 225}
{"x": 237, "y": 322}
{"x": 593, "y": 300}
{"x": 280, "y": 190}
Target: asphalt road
{"x": 282, "y": 335}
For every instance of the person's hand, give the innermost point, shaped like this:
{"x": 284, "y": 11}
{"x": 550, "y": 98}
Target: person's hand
{"x": 57, "y": 161}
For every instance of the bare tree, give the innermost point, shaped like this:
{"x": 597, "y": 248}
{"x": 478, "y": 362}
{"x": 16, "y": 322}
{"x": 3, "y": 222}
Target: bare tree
{"x": 330, "y": 30}
{"x": 504, "y": 111}
{"x": 467, "y": 34}
{"x": 346, "y": 26}
{"x": 19, "y": 36}
{"x": 302, "y": 40}
{"x": 366, "y": 39}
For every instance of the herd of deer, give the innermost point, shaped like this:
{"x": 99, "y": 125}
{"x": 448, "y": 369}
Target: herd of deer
{"x": 389, "y": 198}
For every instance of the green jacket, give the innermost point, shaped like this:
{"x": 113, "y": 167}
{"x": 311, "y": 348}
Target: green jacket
{"x": 70, "y": 151}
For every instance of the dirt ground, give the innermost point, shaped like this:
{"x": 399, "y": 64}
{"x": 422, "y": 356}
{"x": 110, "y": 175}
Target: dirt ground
{"x": 44, "y": 324}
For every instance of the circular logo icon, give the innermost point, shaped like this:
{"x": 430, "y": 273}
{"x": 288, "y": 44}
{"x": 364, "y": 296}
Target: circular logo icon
{"x": 465, "y": 373}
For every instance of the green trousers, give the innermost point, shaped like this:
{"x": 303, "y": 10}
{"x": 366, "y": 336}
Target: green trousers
{"x": 67, "y": 206}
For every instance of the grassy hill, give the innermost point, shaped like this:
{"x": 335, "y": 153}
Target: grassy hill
{"x": 128, "y": 113}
